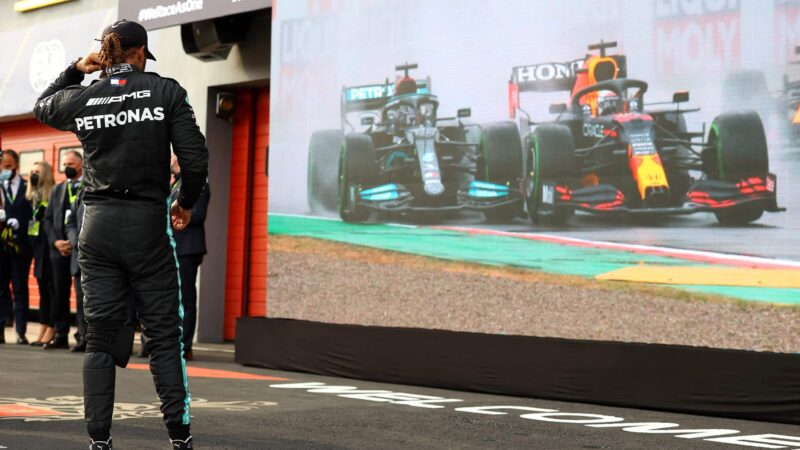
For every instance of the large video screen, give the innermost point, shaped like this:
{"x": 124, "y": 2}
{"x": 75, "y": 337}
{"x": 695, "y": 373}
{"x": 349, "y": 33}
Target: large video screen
{"x": 619, "y": 170}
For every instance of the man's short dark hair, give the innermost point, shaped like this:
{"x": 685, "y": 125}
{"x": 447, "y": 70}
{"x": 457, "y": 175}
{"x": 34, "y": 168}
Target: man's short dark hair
{"x": 13, "y": 154}
{"x": 74, "y": 152}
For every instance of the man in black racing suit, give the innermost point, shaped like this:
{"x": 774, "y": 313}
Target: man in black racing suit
{"x": 126, "y": 122}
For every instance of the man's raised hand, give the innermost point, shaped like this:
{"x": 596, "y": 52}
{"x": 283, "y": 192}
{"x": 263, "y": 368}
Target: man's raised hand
{"x": 89, "y": 64}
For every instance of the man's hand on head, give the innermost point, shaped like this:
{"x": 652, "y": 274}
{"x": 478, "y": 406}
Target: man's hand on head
{"x": 89, "y": 64}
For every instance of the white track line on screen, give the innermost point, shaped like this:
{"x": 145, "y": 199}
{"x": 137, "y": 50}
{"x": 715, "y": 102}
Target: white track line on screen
{"x": 670, "y": 252}
{"x": 692, "y": 255}
{"x": 305, "y": 216}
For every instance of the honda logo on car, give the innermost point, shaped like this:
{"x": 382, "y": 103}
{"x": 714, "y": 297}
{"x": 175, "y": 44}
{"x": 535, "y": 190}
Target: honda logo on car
{"x": 547, "y": 71}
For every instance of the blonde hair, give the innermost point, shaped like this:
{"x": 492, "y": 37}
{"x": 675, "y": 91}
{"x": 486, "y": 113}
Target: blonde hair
{"x": 43, "y": 189}
{"x": 111, "y": 51}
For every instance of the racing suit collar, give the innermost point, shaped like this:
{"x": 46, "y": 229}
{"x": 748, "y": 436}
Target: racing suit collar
{"x": 121, "y": 68}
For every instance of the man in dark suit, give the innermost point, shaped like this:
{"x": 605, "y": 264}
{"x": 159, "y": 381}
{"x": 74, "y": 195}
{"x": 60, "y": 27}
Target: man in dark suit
{"x": 15, "y": 260}
{"x": 55, "y": 218}
{"x": 73, "y": 227}
{"x": 190, "y": 246}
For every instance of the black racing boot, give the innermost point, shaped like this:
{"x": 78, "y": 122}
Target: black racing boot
{"x": 101, "y": 445}
{"x": 178, "y": 444}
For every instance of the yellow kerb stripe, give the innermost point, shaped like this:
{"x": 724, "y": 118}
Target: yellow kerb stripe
{"x": 714, "y": 276}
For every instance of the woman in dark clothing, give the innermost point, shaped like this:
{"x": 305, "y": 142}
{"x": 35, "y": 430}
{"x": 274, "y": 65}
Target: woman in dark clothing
{"x": 40, "y": 186}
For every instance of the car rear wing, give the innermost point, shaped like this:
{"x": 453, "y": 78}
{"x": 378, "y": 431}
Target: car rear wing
{"x": 546, "y": 77}
{"x": 372, "y": 97}
{"x": 551, "y": 77}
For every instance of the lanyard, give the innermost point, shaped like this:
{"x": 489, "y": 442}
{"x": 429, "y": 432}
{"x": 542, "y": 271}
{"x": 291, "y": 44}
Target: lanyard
{"x": 11, "y": 196}
{"x": 72, "y": 196}
{"x": 42, "y": 204}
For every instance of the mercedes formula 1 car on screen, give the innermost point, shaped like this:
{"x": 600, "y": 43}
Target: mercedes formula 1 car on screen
{"x": 748, "y": 89}
{"x": 606, "y": 153}
{"x": 407, "y": 158}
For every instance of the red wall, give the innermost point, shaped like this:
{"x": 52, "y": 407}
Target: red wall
{"x": 246, "y": 276}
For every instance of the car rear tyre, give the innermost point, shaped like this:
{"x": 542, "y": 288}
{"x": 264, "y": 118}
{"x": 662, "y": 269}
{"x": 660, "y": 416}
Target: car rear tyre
{"x": 550, "y": 158}
{"x": 737, "y": 149}
{"x": 500, "y": 162}
{"x": 323, "y": 155}
{"x": 739, "y": 215}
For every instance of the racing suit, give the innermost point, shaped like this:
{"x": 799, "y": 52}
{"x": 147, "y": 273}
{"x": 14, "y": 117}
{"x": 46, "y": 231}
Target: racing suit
{"x": 126, "y": 123}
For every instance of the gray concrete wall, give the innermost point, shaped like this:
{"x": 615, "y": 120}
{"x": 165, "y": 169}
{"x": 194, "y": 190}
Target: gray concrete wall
{"x": 247, "y": 64}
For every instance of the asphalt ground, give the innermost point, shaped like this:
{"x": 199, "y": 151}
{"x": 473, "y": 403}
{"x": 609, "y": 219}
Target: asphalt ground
{"x": 41, "y": 404}
{"x": 236, "y": 407}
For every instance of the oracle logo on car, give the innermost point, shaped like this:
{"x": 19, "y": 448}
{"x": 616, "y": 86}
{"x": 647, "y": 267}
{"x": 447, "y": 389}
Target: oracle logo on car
{"x": 593, "y": 129}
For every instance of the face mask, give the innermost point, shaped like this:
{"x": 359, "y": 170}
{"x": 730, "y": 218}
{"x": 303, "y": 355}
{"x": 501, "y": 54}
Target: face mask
{"x": 70, "y": 172}
{"x": 34, "y": 179}
{"x": 6, "y": 174}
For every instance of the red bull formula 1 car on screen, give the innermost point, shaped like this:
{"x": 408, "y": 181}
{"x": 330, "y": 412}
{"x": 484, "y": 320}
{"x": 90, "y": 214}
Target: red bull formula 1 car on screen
{"x": 606, "y": 153}
{"x": 406, "y": 158}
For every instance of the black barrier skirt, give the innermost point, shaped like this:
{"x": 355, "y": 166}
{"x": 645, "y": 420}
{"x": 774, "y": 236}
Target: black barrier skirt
{"x": 696, "y": 380}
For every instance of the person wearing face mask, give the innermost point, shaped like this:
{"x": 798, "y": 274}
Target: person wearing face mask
{"x": 55, "y": 219}
{"x": 15, "y": 260}
{"x": 40, "y": 186}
